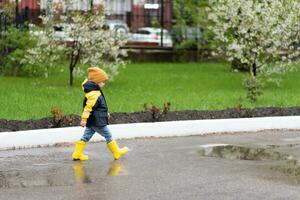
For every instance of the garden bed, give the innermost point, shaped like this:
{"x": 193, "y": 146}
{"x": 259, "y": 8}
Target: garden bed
{"x": 150, "y": 116}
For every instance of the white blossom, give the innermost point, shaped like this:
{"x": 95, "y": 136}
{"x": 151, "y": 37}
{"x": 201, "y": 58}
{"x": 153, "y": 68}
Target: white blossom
{"x": 85, "y": 37}
{"x": 257, "y": 32}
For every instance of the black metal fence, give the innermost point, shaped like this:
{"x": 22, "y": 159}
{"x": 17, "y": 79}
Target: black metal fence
{"x": 5, "y": 20}
{"x": 148, "y": 24}
{"x": 18, "y": 19}
{"x": 155, "y": 15}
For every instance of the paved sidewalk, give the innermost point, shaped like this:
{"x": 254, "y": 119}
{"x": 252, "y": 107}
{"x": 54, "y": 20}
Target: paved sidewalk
{"x": 156, "y": 168}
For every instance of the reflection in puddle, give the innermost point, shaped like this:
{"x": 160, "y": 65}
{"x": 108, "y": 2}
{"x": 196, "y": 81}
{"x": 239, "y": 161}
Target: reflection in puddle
{"x": 281, "y": 162}
{"x": 25, "y": 179}
{"x": 273, "y": 146}
{"x": 242, "y": 153}
{"x": 80, "y": 173}
{"x": 48, "y": 175}
{"x": 116, "y": 168}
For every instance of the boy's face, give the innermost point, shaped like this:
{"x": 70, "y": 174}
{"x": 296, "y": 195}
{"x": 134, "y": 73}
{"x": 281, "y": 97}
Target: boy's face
{"x": 101, "y": 84}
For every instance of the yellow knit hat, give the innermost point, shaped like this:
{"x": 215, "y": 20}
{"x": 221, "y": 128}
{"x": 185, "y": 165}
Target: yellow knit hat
{"x": 97, "y": 75}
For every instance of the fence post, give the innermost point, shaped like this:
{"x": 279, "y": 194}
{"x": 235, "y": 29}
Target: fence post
{"x": 162, "y": 22}
{"x": 49, "y": 12}
{"x": 17, "y": 13}
{"x": 1, "y": 24}
{"x": 92, "y": 5}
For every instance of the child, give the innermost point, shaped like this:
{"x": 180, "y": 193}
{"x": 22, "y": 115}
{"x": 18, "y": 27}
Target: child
{"x": 95, "y": 115}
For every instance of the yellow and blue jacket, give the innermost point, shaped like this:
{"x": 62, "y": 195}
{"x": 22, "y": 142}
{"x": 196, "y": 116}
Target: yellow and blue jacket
{"x": 95, "y": 110}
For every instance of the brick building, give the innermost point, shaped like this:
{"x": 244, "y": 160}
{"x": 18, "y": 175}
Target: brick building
{"x": 136, "y": 13}
{"x": 26, "y": 9}
{"x": 148, "y": 12}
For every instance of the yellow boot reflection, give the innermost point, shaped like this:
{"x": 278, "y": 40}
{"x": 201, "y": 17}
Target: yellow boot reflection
{"x": 116, "y": 168}
{"x": 80, "y": 173}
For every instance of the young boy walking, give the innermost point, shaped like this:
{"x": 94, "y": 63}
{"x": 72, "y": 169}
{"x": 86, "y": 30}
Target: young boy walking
{"x": 95, "y": 115}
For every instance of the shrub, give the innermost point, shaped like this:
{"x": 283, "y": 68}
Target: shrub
{"x": 13, "y": 46}
{"x": 189, "y": 44}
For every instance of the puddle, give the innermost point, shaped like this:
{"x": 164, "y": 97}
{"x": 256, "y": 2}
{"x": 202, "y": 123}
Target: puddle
{"x": 280, "y": 162}
{"x": 51, "y": 174}
{"x": 242, "y": 153}
{"x": 28, "y": 179}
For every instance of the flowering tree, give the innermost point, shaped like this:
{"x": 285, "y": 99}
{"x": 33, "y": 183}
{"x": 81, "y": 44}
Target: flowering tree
{"x": 83, "y": 40}
{"x": 263, "y": 35}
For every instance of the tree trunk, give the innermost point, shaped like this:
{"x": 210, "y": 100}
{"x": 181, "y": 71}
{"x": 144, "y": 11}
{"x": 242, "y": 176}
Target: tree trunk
{"x": 71, "y": 75}
{"x": 254, "y": 69}
{"x": 71, "y": 68}
{"x": 73, "y": 62}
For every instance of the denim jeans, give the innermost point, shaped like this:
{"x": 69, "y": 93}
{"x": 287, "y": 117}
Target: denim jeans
{"x": 103, "y": 131}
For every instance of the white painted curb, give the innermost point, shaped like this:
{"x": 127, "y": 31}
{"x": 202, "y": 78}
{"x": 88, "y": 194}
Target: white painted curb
{"x": 45, "y": 137}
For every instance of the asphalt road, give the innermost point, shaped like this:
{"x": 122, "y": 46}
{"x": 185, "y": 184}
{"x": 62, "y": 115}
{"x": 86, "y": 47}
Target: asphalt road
{"x": 158, "y": 168}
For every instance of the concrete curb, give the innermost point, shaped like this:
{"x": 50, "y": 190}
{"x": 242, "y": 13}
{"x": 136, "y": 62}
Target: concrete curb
{"x": 50, "y": 137}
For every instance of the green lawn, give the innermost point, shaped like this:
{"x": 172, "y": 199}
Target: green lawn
{"x": 200, "y": 86}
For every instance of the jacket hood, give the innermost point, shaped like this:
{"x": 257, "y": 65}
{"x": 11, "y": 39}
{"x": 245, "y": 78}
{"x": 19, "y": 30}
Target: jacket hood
{"x": 88, "y": 86}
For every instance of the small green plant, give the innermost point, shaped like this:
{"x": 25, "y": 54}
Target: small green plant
{"x": 253, "y": 86}
{"x": 145, "y": 107}
{"x": 59, "y": 119}
{"x": 156, "y": 112}
{"x": 167, "y": 107}
{"x": 57, "y": 116}
{"x": 238, "y": 107}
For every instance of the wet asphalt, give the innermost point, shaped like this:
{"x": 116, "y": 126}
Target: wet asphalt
{"x": 155, "y": 168}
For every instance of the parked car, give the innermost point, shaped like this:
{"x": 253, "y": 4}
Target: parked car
{"x": 117, "y": 25}
{"x": 150, "y": 36}
{"x": 60, "y": 33}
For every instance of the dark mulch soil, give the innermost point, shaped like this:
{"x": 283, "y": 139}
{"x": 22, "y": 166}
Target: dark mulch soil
{"x": 122, "y": 118}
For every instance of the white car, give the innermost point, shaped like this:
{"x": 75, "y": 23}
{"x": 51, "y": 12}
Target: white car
{"x": 117, "y": 26}
{"x": 151, "y": 36}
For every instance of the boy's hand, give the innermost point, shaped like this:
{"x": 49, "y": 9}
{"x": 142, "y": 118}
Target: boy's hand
{"x": 108, "y": 115}
{"x": 83, "y": 123}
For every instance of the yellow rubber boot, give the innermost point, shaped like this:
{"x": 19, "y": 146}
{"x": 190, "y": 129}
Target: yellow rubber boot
{"x": 115, "y": 150}
{"x": 78, "y": 151}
